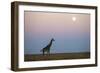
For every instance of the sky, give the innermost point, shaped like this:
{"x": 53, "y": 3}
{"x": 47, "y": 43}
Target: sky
{"x": 71, "y": 32}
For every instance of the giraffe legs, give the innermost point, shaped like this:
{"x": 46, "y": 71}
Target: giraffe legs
{"x": 48, "y": 52}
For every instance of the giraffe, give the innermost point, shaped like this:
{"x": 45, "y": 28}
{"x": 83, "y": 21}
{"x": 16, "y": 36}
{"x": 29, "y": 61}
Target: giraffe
{"x": 47, "y": 48}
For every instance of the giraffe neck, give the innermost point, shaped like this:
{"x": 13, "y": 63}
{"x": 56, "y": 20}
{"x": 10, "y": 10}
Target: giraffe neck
{"x": 50, "y": 43}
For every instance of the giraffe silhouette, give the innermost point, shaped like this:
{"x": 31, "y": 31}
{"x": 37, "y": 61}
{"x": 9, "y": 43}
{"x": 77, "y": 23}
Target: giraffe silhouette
{"x": 47, "y": 48}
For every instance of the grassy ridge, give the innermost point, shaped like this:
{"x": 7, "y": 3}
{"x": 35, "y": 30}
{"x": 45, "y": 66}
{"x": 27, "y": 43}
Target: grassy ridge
{"x": 57, "y": 56}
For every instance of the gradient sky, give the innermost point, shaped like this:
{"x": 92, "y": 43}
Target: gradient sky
{"x": 70, "y": 31}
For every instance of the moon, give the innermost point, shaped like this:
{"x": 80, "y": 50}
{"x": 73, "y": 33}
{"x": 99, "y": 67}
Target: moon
{"x": 74, "y": 19}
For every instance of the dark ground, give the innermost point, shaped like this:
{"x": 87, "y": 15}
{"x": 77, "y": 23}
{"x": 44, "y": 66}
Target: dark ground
{"x": 57, "y": 56}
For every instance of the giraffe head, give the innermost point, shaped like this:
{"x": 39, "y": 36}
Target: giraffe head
{"x": 52, "y": 39}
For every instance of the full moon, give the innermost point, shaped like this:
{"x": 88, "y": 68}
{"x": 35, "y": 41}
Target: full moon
{"x": 74, "y": 18}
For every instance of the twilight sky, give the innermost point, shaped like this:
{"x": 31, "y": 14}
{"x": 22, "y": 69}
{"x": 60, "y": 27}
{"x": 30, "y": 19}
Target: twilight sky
{"x": 70, "y": 31}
